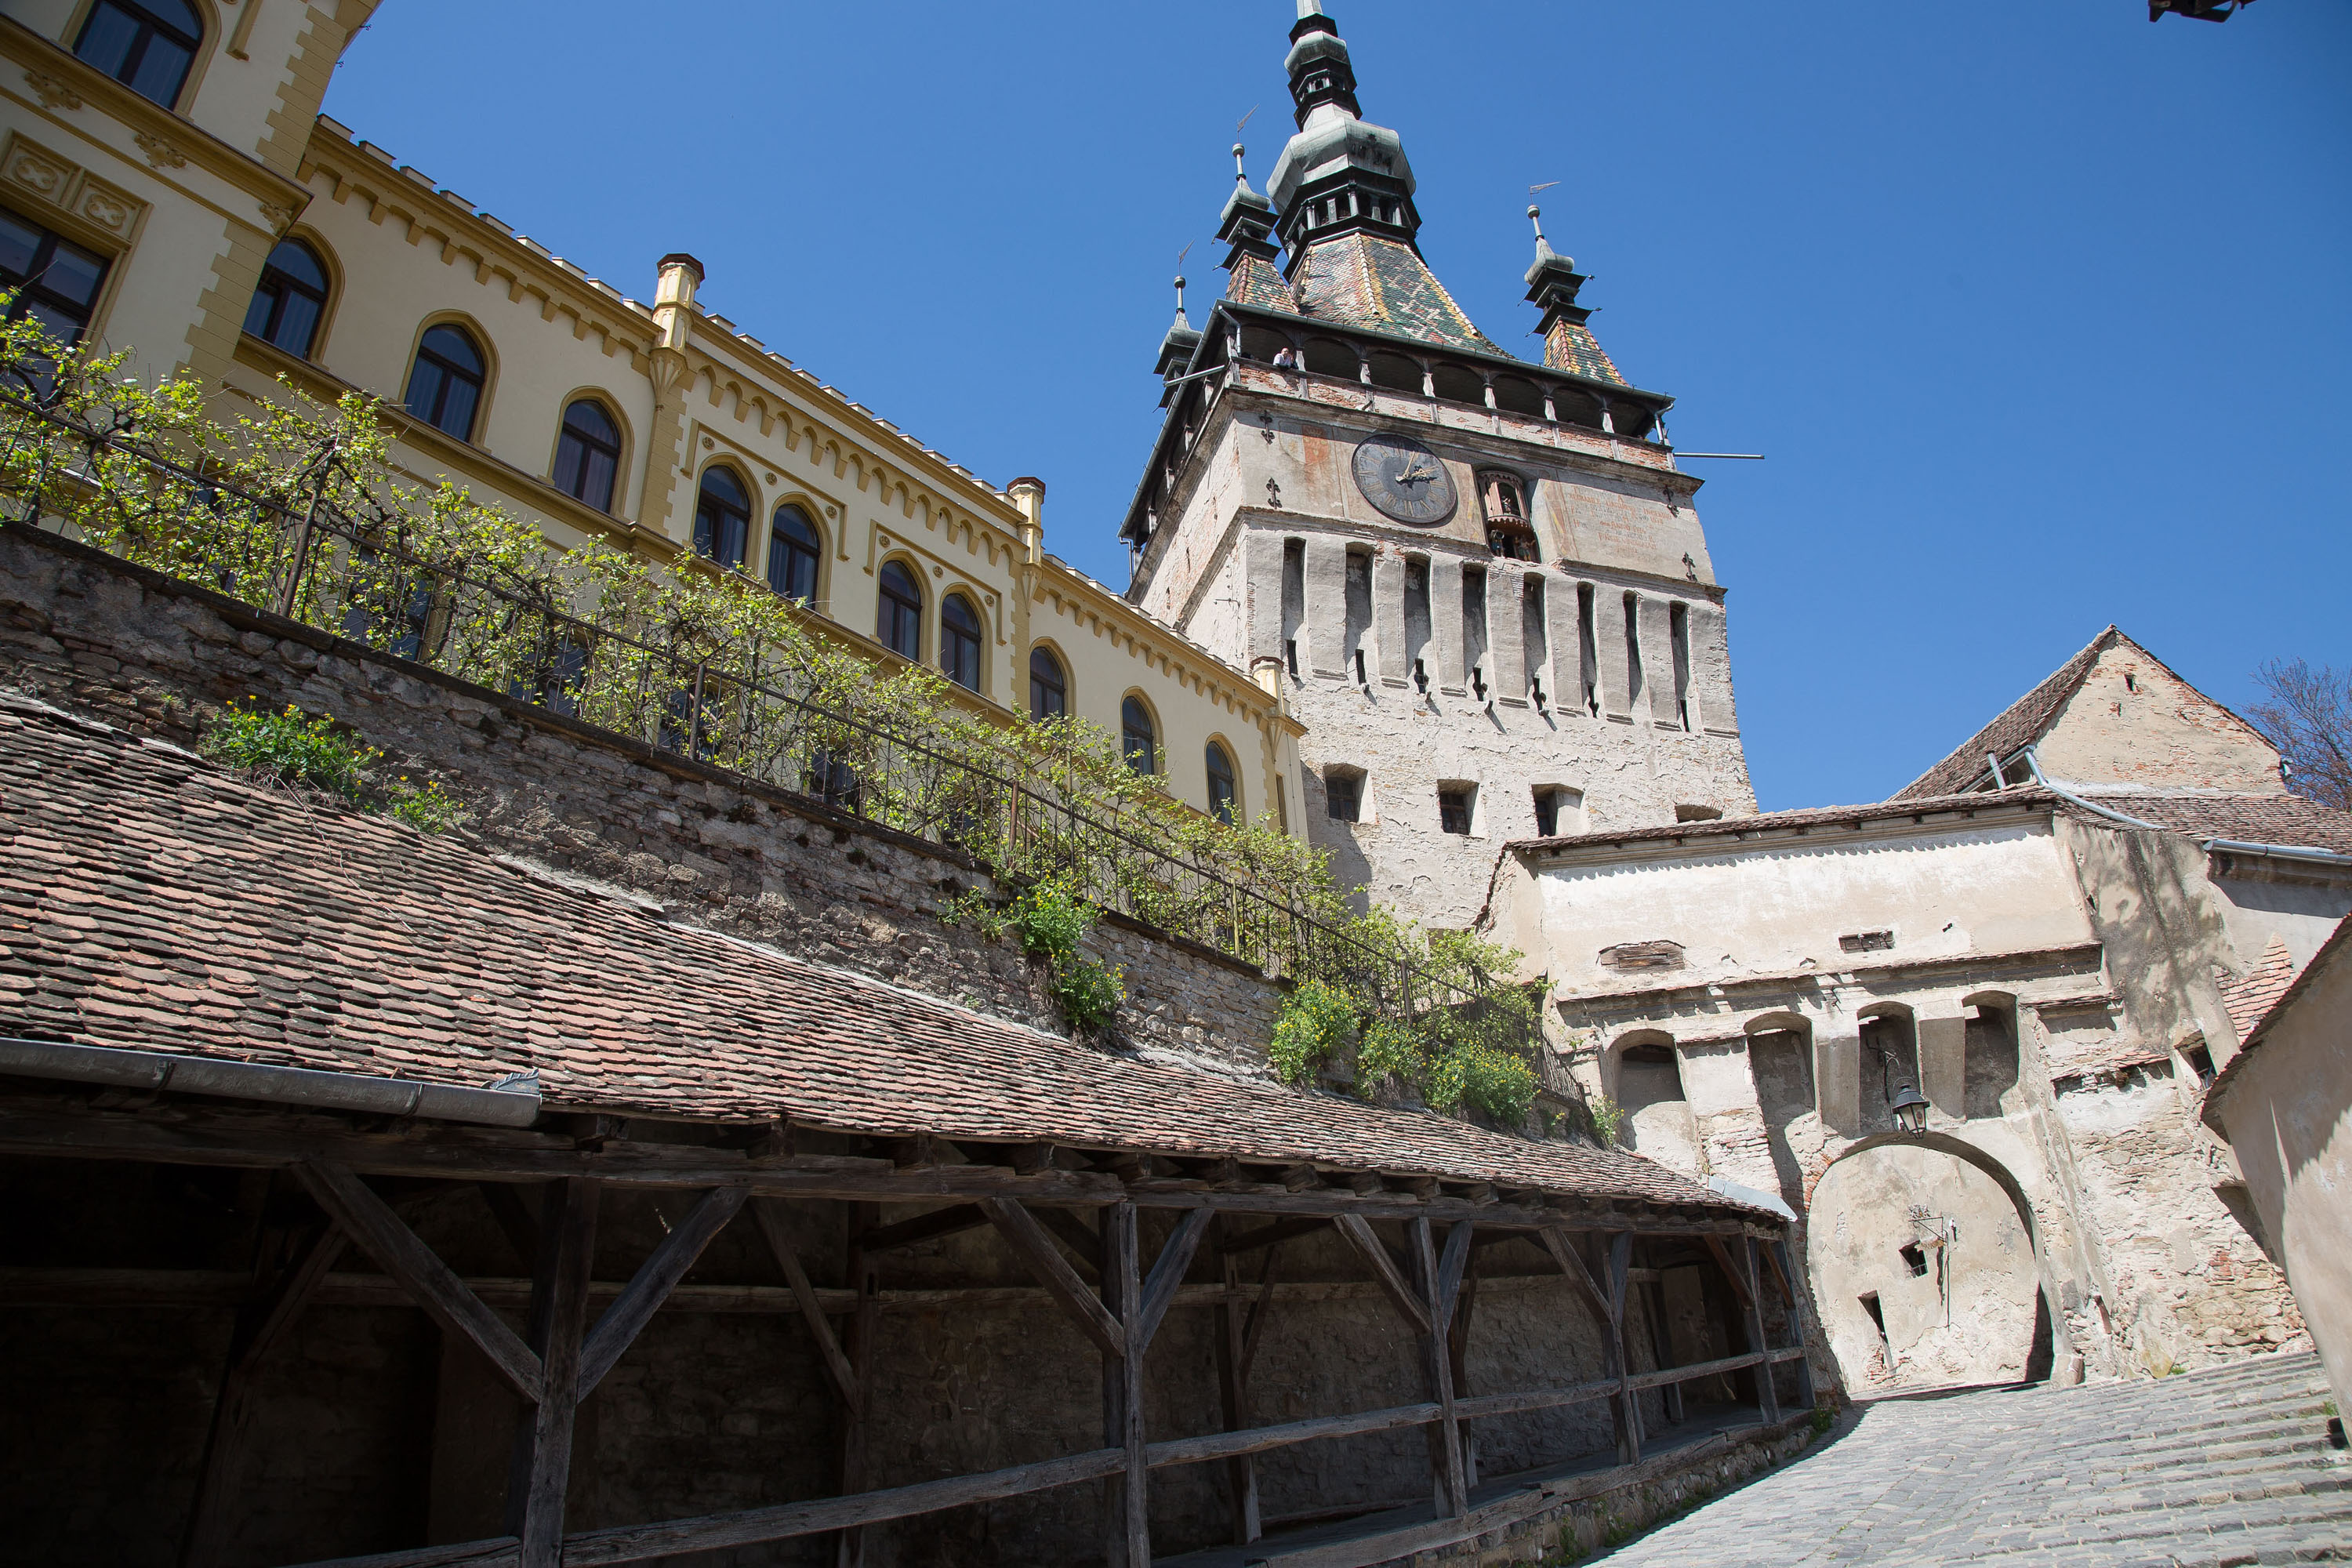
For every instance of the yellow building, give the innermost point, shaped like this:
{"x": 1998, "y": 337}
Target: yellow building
{"x": 167, "y": 184}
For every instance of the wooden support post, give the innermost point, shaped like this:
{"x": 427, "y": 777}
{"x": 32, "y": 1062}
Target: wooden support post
{"x": 864, "y": 1330}
{"x": 1629, "y": 1402}
{"x": 1030, "y": 1240}
{"x": 260, "y": 1329}
{"x": 1452, "y": 1484}
{"x": 1662, "y": 1345}
{"x": 1401, "y": 1295}
{"x": 1458, "y": 1349}
{"x": 1799, "y": 1326}
{"x": 1236, "y": 1340}
{"x": 1167, "y": 1279}
{"x": 1768, "y": 1397}
{"x": 541, "y": 1472}
{"x": 1127, "y": 1533}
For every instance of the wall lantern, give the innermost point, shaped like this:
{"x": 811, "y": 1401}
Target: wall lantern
{"x": 1910, "y": 1109}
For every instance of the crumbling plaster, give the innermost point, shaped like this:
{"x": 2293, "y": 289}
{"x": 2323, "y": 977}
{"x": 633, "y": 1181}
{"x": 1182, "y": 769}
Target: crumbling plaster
{"x": 2132, "y": 721}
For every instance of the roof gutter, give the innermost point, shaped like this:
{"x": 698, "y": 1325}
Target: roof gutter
{"x": 2223, "y": 845}
{"x": 161, "y": 1071}
{"x": 2277, "y": 851}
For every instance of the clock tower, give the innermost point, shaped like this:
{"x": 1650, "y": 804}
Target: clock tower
{"x": 1478, "y": 581}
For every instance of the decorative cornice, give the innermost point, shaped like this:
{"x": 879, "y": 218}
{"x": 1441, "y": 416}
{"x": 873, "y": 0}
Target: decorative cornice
{"x": 54, "y": 72}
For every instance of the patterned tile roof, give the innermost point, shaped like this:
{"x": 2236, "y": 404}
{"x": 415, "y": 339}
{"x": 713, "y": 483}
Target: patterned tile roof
{"x": 1570, "y": 346}
{"x": 1257, "y": 281}
{"x": 151, "y": 901}
{"x": 1362, "y": 280}
{"x": 2250, "y": 999}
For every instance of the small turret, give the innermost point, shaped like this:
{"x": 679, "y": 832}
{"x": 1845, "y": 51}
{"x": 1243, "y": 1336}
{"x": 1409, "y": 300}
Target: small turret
{"x": 1247, "y": 223}
{"x": 1176, "y": 348}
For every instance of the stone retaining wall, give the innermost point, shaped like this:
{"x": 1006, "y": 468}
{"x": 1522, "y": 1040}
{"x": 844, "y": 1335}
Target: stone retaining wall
{"x": 713, "y": 848}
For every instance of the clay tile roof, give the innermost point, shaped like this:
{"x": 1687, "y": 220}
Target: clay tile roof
{"x": 1574, "y": 349}
{"x": 151, "y": 901}
{"x": 1257, "y": 281}
{"x": 1782, "y": 821}
{"x": 2284, "y": 819}
{"x": 2249, "y": 999}
{"x": 2019, "y": 724}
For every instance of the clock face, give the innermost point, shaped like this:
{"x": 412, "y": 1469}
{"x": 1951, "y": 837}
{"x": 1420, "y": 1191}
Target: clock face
{"x": 1404, "y": 480}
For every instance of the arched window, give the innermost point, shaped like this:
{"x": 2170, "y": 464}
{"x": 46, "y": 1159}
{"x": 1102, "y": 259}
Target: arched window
{"x": 588, "y": 453}
{"x": 1139, "y": 741}
{"x": 1225, "y": 793}
{"x": 960, "y": 641}
{"x": 1049, "y": 687}
{"x": 146, "y": 45}
{"x": 292, "y": 296}
{"x": 722, "y": 517}
{"x": 900, "y": 624}
{"x": 793, "y": 549}
{"x": 445, "y": 386}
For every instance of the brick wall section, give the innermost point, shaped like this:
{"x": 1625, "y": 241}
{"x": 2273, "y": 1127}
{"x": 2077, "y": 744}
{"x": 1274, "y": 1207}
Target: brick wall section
{"x": 714, "y": 849}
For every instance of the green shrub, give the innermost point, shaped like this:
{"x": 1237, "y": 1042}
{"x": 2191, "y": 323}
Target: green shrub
{"x": 1608, "y": 1119}
{"x": 291, "y": 745}
{"x": 1317, "y": 1024}
{"x": 1087, "y": 994}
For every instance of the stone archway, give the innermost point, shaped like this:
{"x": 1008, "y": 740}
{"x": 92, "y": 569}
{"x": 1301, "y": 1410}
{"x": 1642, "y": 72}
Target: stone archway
{"x": 1927, "y": 1266}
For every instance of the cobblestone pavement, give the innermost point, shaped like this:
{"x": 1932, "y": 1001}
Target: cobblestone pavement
{"x": 2203, "y": 1470}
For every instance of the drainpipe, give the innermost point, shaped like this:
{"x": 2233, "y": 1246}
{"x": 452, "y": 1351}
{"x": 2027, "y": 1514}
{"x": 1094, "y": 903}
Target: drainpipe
{"x": 164, "y": 1070}
{"x": 2035, "y": 765}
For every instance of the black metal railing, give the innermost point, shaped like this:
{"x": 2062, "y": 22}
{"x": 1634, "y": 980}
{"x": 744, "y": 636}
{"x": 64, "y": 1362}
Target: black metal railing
{"x": 356, "y": 565}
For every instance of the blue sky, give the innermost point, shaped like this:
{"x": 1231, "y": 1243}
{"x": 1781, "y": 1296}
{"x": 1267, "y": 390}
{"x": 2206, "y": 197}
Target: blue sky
{"x": 2039, "y": 311}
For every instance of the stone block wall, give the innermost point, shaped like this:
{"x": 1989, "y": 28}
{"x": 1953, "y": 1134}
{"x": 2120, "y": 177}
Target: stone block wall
{"x": 710, "y": 848}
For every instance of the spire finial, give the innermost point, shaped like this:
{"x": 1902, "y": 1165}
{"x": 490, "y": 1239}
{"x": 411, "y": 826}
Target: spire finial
{"x": 1241, "y": 173}
{"x": 1534, "y": 217}
{"x": 1180, "y": 293}
{"x": 1309, "y": 8}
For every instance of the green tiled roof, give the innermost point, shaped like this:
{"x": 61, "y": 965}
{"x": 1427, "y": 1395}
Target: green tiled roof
{"x": 1256, "y": 281}
{"x": 1362, "y": 280}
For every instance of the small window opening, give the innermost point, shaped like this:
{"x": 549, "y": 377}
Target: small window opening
{"x": 1290, "y": 655}
{"x": 2131, "y": 683}
{"x": 1421, "y": 677}
{"x": 1455, "y": 802}
{"x": 1678, "y": 633}
{"x": 2201, "y": 1062}
{"x": 1547, "y": 813}
{"x": 1915, "y": 1260}
{"x": 1588, "y": 649}
{"x": 1343, "y": 794}
{"x": 1634, "y": 689}
{"x": 1361, "y": 679}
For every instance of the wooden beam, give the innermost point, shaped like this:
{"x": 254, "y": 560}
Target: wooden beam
{"x": 924, "y": 1227}
{"x": 1268, "y": 1234}
{"x": 1069, "y": 1228}
{"x": 1167, "y": 1278}
{"x": 1400, "y": 1295}
{"x": 1035, "y": 1247}
{"x": 1263, "y": 1439}
{"x": 1437, "y": 1369}
{"x": 1733, "y": 1272}
{"x": 226, "y": 1135}
{"x": 1449, "y": 1272}
{"x": 1698, "y": 1369}
{"x": 260, "y": 1331}
{"x": 780, "y": 1247}
{"x": 1662, "y": 1343}
{"x": 650, "y": 1286}
{"x": 1571, "y": 1263}
{"x": 1457, "y": 1355}
{"x": 540, "y": 1475}
{"x": 430, "y": 1282}
{"x": 1260, "y": 1310}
